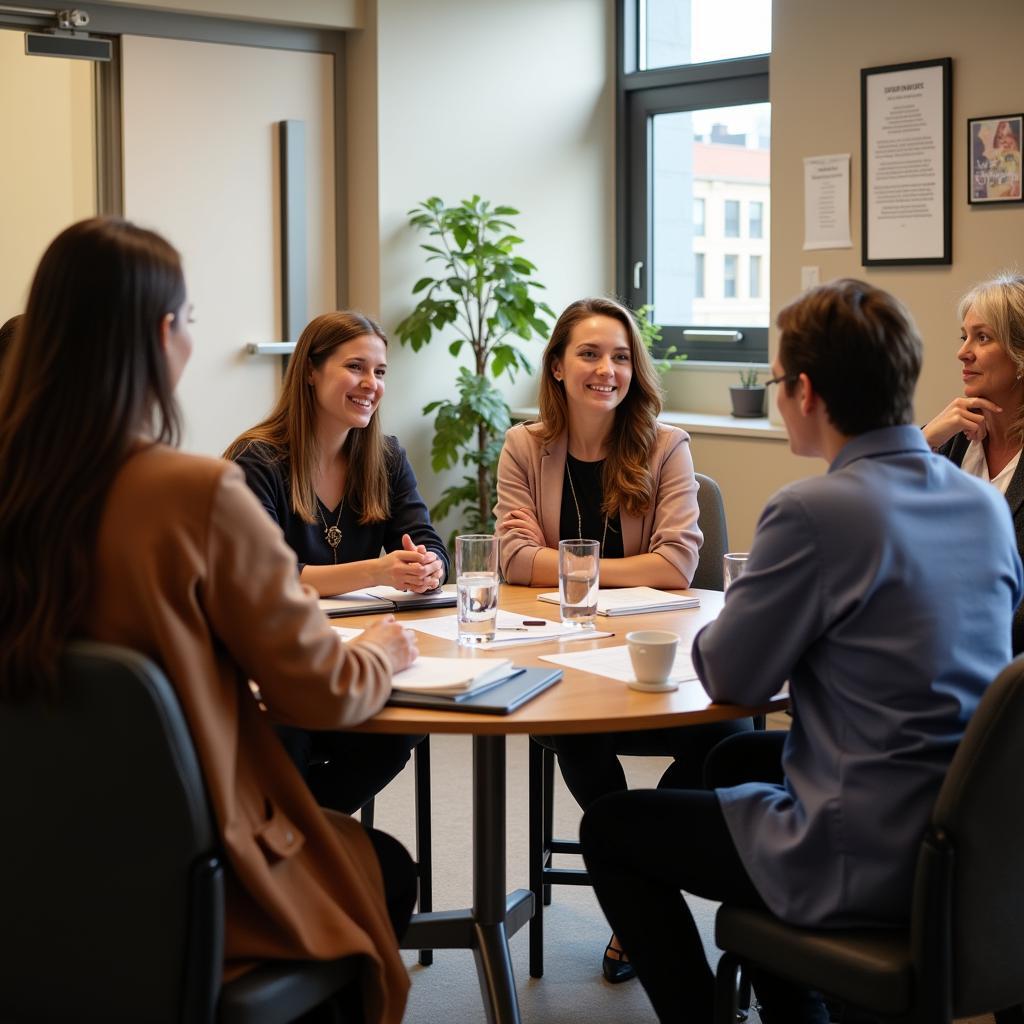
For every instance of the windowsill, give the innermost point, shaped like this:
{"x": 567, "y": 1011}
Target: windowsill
{"x": 700, "y": 423}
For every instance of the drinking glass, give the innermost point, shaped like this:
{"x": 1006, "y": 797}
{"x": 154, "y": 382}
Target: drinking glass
{"x": 733, "y": 564}
{"x": 476, "y": 582}
{"x": 578, "y": 564}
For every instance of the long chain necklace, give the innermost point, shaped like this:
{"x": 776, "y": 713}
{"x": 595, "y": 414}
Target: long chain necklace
{"x": 332, "y": 534}
{"x": 579, "y": 517}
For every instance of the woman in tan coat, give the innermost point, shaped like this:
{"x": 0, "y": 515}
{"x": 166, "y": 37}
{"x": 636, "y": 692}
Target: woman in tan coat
{"x": 107, "y": 531}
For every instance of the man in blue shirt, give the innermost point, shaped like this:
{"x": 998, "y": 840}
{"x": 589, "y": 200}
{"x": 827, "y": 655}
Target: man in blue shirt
{"x": 883, "y": 592}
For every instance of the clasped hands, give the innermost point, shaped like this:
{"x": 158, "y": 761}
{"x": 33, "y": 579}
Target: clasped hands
{"x": 410, "y": 567}
{"x": 962, "y": 414}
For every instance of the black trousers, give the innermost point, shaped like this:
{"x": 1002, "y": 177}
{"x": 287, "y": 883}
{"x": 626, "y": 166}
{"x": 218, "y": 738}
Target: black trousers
{"x": 591, "y": 767}
{"x": 641, "y": 849}
{"x": 344, "y": 770}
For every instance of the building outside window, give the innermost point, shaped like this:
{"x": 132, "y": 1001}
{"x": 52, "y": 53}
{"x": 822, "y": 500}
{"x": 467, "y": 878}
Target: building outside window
{"x": 755, "y": 226}
{"x": 732, "y": 218}
{"x": 754, "y": 290}
{"x": 730, "y": 268}
{"x": 694, "y": 188}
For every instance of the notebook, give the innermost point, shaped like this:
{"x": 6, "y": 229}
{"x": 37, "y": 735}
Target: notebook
{"x": 635, "y": 601}
{"x": 451, "y": 676}
{"x": 386, "y": 599}
{"x": 499, "y": 698}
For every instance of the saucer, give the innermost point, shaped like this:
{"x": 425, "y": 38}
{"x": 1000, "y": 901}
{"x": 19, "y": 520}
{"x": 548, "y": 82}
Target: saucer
{"x": 669, "y": 684}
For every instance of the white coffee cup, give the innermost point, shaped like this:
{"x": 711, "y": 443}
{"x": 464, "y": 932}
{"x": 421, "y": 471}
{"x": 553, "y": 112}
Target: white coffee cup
{"x": 653, "y": 653}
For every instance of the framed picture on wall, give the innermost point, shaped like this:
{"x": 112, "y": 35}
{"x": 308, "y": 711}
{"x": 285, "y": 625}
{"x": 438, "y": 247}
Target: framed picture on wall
{"x": 994, "y": 161}
{"x": 906, "y": 163}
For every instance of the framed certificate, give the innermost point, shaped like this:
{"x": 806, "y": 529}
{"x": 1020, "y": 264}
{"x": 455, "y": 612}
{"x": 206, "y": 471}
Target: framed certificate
{"x": 906, "y": 163}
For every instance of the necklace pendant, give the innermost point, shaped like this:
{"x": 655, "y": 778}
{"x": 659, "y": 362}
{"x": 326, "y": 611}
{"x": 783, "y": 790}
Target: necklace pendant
{"x": 333, "y": 537}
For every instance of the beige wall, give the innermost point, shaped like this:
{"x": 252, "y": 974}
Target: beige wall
{"x": 818, "y": 50}
{"x": 200, "y": 167}
{"x": 48, "y": 173}
{"x": 513, "y": 101}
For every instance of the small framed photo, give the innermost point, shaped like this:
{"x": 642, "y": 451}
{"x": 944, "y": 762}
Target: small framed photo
{"x": 993, "y": 152}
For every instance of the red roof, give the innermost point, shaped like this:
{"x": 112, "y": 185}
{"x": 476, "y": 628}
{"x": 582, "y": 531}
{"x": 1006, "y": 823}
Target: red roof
{"x": 718, "y": 160}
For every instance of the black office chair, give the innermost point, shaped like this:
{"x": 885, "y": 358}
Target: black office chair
{"x": 542, "y": 844}
{"x": 962, "y": 954}
{"x": 112, "y": 878}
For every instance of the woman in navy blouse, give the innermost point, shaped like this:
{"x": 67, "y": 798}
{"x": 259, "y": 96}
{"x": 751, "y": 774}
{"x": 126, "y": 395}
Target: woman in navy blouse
{"x": 345, "y": 498}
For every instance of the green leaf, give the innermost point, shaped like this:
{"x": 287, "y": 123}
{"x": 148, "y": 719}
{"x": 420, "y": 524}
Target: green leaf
{"x": 422, "y": 283}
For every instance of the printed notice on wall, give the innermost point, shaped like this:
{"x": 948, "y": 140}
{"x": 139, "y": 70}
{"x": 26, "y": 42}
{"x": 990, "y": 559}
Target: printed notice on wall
{"x": 904, "y": 163}
{"x": 827, "y": 202}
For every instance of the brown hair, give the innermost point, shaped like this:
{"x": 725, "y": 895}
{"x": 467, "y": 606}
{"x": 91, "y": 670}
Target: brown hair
{"x": 289, "y": 432}
{"x": 7, "y": 335}
{"x": 86, "y": 372}
{"x": 1000, "y": 303}
{"x": 627, "y": 479}
{"x": 860, "y": 349}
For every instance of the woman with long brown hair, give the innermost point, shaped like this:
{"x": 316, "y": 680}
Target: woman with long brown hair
{"x": 598, "y": 464}
{"x": 108, "y": 532}
{"x": 342, "y": 492}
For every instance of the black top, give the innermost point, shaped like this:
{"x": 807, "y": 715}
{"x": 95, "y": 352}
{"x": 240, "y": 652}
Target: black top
{"x": 269, "y": 478}
{"x": 585, "y": 478}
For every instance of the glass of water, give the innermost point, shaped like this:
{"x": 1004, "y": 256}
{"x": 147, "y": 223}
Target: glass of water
{"x": 476, "y": 581}
{"x": 578, "y": 564}
{"x": 733, "y": 564}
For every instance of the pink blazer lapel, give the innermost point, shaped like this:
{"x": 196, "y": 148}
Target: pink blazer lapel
{"x": 552, "y": 475}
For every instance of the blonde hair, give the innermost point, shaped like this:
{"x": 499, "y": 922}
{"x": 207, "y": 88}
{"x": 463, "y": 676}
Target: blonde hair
{"x": 1000, "y": 303}
{"x": 289, "y": 432}
{"x": 627, "y": 482}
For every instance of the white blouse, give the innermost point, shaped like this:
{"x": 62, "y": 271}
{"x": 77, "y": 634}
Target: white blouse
{"x": 975, "y": 464}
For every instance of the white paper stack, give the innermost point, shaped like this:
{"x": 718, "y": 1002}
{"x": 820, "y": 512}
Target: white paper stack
{"x": 635, "y": 601}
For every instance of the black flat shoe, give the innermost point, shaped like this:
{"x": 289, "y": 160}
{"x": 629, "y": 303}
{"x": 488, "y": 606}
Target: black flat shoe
{"x": 615, "y": 967}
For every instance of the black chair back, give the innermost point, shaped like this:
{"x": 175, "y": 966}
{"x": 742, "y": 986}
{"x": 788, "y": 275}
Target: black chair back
{"x": 978, "y": 820}
{"x": 711, "y": 520}
{"x": 112, "y": 889}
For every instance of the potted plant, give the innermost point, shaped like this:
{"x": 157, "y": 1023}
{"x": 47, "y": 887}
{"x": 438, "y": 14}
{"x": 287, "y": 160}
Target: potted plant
{"x": 650, "y": 334}
{"x": 481, "y": 294}
{"x": 748, "y": 396}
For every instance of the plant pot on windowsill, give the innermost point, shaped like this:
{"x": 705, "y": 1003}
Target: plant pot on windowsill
{"x": 747, "y": 401}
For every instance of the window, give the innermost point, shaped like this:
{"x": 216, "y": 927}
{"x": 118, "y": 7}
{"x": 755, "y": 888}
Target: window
{"x": 755, "y": 224}
{"x": 711, "y": 30}
{"x": 694, "y": 160}
{"x": 730, "y": 264}
{"x": 755, "y": 277}
{"x": 732, "y": 218}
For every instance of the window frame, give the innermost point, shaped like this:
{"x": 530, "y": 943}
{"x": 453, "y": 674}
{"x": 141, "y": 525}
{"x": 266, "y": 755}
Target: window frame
{"x": 641, "y": 95}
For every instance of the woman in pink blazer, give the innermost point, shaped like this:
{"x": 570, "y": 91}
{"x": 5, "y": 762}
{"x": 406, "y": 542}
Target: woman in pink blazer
{"x": 598, "y": 464}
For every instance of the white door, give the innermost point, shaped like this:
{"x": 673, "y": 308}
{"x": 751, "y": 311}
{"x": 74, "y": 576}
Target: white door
{"x": 200, "y": 166}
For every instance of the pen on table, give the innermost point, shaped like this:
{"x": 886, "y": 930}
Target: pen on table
{"x": 522, "y": 628}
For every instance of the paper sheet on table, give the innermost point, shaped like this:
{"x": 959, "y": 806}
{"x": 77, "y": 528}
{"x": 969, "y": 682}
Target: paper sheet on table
{"x": 614, "y": 663}
{"x": 510, "y": 631}
{"x": 347, "y": 632}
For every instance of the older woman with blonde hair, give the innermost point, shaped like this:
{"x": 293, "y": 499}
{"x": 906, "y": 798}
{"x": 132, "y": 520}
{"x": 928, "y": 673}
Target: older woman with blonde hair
{"x": 346, "y": 500}
{"x": 982, "y": 431}
{"x": 599, "y": 464}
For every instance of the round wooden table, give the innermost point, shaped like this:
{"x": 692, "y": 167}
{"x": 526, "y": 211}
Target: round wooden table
{"x": 580, "y": 703}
